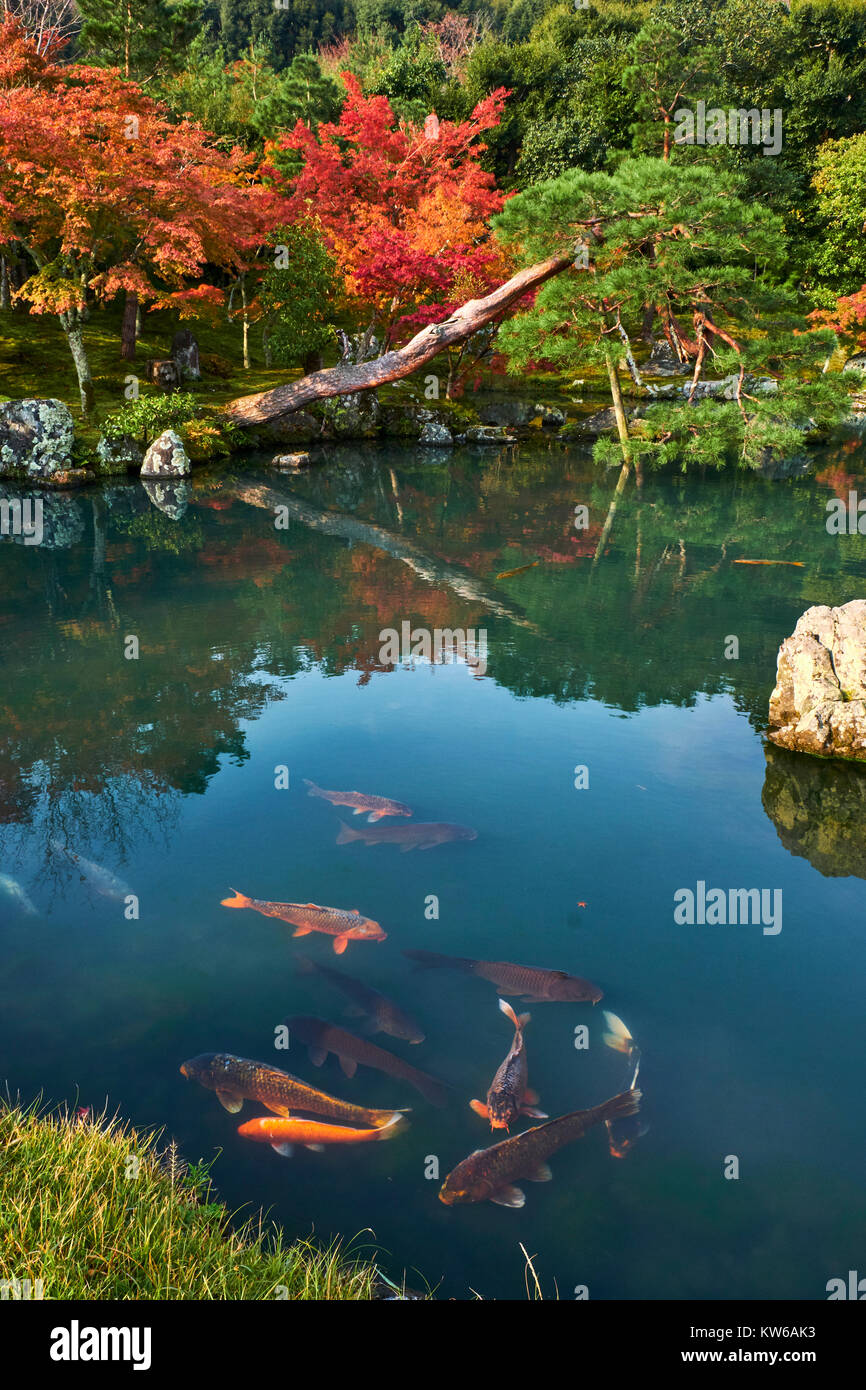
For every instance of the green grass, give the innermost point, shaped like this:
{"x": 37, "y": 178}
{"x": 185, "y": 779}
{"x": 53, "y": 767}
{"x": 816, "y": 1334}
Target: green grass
{"x": 94, "y": 1210}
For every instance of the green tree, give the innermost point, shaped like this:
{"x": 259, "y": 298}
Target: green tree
{"x": 298, "y": 298}
{"x": 681, "y": 239}
{"x": 140, "y": 37}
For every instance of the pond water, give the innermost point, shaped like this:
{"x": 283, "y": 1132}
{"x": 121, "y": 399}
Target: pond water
{"x": 260, "y": 648}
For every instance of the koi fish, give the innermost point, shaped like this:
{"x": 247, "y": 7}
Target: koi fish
{"x": 420, "y": 836}
{"x": 488, "y": 1175}
{"x": 378, "y": 806}
{"x": 382, "y": 1014}
{"x": 102, "y": 880}
{"x": 531, "y": 983}
{"x": 283, "y": 1134}
{"x": 510, "y": 1091}
{"x": 16, "y": 894}
{"x": 799, "y": 564}
{"x": 235, "y": 1079}
{"x": 622, "y": 1135}
{"x": 521, "y": 569}
{"x": 351, "y": 1051}
{"x": 342, "y": 924}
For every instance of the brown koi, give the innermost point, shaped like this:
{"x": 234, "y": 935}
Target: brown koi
{"x": 488, "y": 1175}
{"x": 343, "y": 924}
{"x": 420, "y": 836}
{"x": 377, "y": 806}
{"x": 382, "y": 1015}
{"x": 531, "y": 983}
{"x": 235, "y": 1079}
{"x": 510, "y": 1094}
{"x": 351, "y": 1051}
{"x": 283, "y": 1134}
{"x": 521, "y": 569}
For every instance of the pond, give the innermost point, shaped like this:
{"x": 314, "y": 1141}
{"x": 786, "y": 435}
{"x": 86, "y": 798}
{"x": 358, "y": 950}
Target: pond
{"x": 260, "y": 604}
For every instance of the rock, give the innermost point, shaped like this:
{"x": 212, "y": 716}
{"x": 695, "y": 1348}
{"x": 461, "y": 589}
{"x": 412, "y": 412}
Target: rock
{"x": 552, "y": 418}
{"x": 184, "y": 352}
{"x": 487, "y": 434}
{"x": 297, "y": 428}
{"x": 163, "y": 372}
{"x": 290, "y": 461}
{"x": 117, "y": 453}
{"x": 37, "y": 518}
{"x": 819, "y": 701}
{"x": 353, "y": 416}
{"x": 171, "y": 498}
{"x": 662, "y": 361}
{"x": 857, "y": 363}
{"x": 166, "y": 457}
{"x": 599, "y": 423}
{"x": 36, "y": 438}
{"x": 434, "y": 432}
{"x": 819, "y": 810}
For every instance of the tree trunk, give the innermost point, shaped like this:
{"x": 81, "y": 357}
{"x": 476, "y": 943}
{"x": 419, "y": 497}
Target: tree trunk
{"x": 246, "y": 317}
{"x": 72, "y": 328}
{"x": 618, "y": 406}
{"x": 5, "y": 295}
{"x": 346, "y": 378}
{"x": 313, "y": 362}
{"x": 128, "y": 331}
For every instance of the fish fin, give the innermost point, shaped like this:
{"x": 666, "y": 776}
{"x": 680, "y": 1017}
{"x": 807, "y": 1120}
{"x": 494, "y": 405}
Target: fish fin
{"x": 404, "y": 849}
{"x": 534, "y": 1112}
{"x": 376, "y": 815}
{"x": 309, "y": 904}
{"x": 393, "y": 1127}
{"x": 311, "y": 785}
{"x": 359, "y": 811}
{"x": 523, "y": 1019}
{"x": 541, "y": 1173}
{"x": 302, "y": 931}
{"x": 305, "y": 965}
{"x": 356, "y": 911}
{"x": 509, "y": 1197}
{"x": 617, "y": 1036}
{"x": 315, "y": 1148}
{"x": 346, "y": 834}
{"x": 317, "y": 1055}
{"x": 340, "y": 944}
{"x": 284, "y": 1150}
{"x": 508, "y": 1011}
{"x": 239, "y": 900}
{"x": 531, "y": 1095}
{"x": 480, "y": 1109}
{"x": 349, "y": 1066}
{"x": 230, "y": 1101}
{"x": 282, "y": 1110}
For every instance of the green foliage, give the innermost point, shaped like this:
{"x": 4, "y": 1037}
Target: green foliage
{"x": 141, "y": 37}
{"x": 146, "y": 418}
{"x": 298, "y": 295}
{"x": 839, "y": 255}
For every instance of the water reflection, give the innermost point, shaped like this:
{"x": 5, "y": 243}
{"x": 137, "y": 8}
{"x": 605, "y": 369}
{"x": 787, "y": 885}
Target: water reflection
{"x": 818, "y": 807}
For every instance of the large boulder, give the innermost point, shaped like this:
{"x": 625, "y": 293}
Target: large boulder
{"x": 36, "y": 438}
{"x": 118, "y": 453}
{"x": 819, "y": 702}
{"x": 166, "y": 457}
{"x": 184, "y": 351}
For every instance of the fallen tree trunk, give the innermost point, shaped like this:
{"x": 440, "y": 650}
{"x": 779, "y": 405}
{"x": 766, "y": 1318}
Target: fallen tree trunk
{"x": 343, "y": 379}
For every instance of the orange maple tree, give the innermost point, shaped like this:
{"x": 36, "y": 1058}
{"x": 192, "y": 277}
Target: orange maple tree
{"x": 105, "y": 194}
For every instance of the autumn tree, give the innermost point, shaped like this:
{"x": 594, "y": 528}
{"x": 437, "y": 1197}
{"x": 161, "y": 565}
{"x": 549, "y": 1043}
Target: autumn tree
{"x": 403, "y": 208}
{"x": 105, "y": 195}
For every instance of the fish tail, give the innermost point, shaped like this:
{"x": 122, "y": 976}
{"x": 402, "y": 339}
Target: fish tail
{"x": 347, "y": 833}
{"x": 617, "y": 1036}
{"x": 432, "y": 1090}
{"x": 239, "y": 900}
{"x": 392, "y": 1127}
{"x": 382, "y": 1119}
{"x": 519, "y": 1023}
{"x": 314, "y": 790}
{"x": 628, "y": 1103}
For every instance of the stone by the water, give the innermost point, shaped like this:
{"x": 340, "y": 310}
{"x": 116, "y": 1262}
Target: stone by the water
{"x": 36, "y": 438}
{"x": 166, "y": 457}
{"x": 290, "y": 461}
{"x": 819, "y": 701}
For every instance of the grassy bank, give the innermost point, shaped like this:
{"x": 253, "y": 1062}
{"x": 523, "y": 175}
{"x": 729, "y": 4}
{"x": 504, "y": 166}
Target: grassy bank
{"x": 94, "y": 1210}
